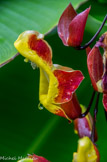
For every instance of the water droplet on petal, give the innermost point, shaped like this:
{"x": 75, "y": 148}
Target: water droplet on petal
{"x": 34, "y": 66}
{"x": 40, "y": 106}
{"x": 26, "y": 60}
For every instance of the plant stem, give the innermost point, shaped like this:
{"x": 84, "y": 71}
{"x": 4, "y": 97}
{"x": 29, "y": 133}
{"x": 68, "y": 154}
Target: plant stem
{"x": 89, "y": 106}
{"x": 93, "y": 38}
{"x": 94, "y": 118}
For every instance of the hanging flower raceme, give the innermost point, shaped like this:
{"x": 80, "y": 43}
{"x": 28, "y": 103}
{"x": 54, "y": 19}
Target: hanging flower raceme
{"x": 86, "y": 151}
{"x": 71, "y": 26}
{"x": 33, "y": 158}
{"x": 57, "y": 83}
{"x": 83, "y": 126}
{"x": 97, "y": 67}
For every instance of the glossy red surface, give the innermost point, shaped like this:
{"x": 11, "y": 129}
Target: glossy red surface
{"x": 95, "y": 66}
{"x": 41, "y": 48}
{"x": 68, "y": 83}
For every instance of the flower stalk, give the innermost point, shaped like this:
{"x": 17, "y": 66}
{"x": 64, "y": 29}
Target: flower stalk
{"x": 94, "y": 37}
{"x": 89, "y": 106}
{"x": 94, "y": 118}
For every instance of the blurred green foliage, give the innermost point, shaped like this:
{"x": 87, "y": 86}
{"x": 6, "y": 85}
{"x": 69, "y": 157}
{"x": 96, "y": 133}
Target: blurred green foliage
{"x": 18, "y": 16}
{"x": 102, "y": 1}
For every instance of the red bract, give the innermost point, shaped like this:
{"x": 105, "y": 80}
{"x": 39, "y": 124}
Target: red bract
{"x": 71, "y": 26}
{"x": 97, "y": 67}
{"x": 83, "y": 126}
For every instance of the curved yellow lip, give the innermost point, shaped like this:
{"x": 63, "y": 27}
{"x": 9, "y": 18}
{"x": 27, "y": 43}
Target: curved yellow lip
{"x": 85, "y": 151}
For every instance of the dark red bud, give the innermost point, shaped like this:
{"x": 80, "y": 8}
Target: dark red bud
{"x": 76, "y": 28}
{"x": 83, "y": 126}
{"x": 95, "y": 66}
{"x": 64, "y": 22}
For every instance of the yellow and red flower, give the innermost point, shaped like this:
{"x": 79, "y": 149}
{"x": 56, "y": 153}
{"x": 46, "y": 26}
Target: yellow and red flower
{"x": 33, "y": 158}
{"x": 86, "y": 151}
{"x": 57, "y": 83}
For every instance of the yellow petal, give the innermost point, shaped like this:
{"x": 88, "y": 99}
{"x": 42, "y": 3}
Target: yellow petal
{"x": 85, "y": 151}
{"x": 31, "y": 45}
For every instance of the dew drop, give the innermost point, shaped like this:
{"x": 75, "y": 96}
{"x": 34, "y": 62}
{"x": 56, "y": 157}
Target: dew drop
{"x": 26, "y": 60}
{"x": 40, "y": 106}
{"x": 34, "y": 66}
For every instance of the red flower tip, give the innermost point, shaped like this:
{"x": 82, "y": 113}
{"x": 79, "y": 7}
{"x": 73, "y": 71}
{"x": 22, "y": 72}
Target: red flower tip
{"x": 64, "y": 22}
{"x": 71, "y": 26}
{"x": 76, "y": 28}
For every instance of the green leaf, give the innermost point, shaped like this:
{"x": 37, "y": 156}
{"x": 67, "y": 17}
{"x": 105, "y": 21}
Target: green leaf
{"x": 17, "y": 16}
{"x": 102, "y": 1}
